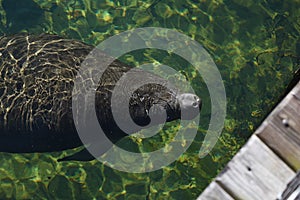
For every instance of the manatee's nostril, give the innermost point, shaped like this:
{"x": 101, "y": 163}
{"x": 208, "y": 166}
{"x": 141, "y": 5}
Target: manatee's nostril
{"x": 199, "y": 103}
{"x": 189, "y": 101}
{"x": 190, "y": 105}
{"x": 195, "y": 104}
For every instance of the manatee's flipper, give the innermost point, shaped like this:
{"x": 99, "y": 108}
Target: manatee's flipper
{"x": 83, "y": 155}
{"x": 99, "y": 148}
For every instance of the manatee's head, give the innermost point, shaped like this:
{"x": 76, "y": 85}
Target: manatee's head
{"x": 155, "y": 104}
{"x": 150, "y": 104}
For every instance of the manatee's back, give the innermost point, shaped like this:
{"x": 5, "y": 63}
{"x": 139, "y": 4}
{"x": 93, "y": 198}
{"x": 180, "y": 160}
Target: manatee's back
{"x": 37, "y": 75}
{"x": 36, "y": 81}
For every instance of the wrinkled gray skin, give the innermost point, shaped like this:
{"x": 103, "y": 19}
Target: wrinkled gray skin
{"x": 36, "y": 81}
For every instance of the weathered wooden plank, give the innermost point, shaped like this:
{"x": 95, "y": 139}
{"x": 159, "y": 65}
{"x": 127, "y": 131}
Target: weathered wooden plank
{"x": 214, "y": 192}
{"x": 281, "y": 130}
{"x": 292, "y": 191}
{"x": 282, "y": 144}
{"x": 256, "y": 172}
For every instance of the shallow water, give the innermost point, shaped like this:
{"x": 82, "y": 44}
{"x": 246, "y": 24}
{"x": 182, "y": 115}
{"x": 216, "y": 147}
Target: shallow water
{"x": 255, "y": 45}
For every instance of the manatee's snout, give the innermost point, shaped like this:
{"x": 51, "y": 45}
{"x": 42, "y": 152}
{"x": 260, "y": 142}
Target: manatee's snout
{"x": 190, "y": 105}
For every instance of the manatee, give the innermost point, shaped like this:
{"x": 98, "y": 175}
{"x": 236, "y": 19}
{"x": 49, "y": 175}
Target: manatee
{"x": 37, "y": 74}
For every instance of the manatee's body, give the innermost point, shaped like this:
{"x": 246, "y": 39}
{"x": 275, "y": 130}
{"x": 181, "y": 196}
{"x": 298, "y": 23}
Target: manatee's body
{"x": 36, "y": 81}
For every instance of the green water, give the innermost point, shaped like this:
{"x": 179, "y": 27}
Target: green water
{"x": 255, "y": 45}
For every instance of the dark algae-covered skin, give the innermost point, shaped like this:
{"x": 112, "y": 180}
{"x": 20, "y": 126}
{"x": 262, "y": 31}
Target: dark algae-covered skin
{"x": 36, "y": 85}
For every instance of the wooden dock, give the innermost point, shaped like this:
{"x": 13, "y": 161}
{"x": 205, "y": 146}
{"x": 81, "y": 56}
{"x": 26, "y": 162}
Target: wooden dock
{"x": 266, "y": 167}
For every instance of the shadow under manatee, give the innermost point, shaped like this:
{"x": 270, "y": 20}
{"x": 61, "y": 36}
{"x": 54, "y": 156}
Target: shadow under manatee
{"x": 22, "y": 14}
